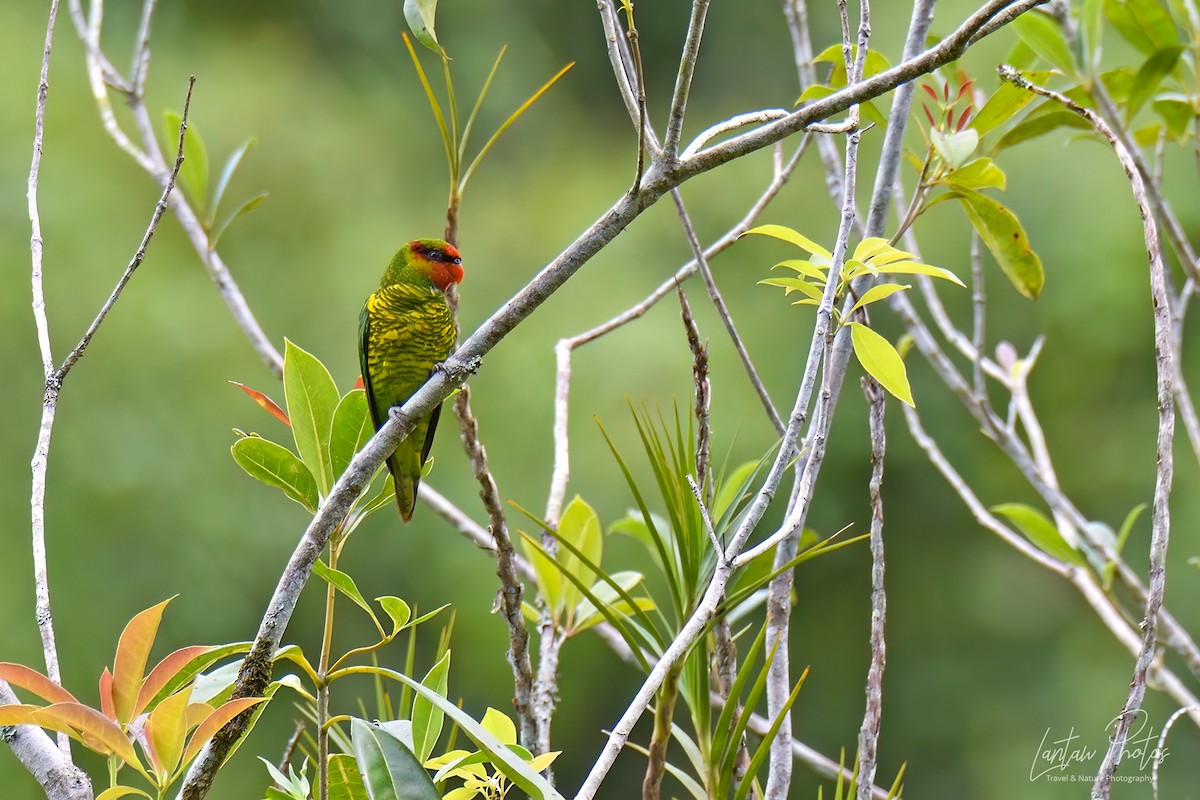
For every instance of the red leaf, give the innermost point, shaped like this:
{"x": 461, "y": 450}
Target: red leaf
{"x": 106, "y": 695}
{"x": 34, "y": 681}
{"x": 129, "y": 666}
{"x": 928, "y": 115}
{"x": 930, "y": 91}
{"x": 358, "y": 384}
{"x": 962, "y": 121}
{"x": 162, "y": 674}
{"x": 267, "y": 403}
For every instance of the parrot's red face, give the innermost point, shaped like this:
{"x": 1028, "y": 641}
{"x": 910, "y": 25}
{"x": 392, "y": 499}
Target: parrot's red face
{"x": 443, "y": 262}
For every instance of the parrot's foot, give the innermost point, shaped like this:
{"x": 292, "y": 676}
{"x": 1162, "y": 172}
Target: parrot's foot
{"x": 457, "y": 370}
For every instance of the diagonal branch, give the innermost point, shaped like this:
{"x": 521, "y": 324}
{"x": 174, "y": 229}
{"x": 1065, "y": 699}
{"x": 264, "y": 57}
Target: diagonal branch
{"x": 683, "y": 81}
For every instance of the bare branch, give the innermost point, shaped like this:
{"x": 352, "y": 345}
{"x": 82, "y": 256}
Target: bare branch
{"x": 868, "y": 735}
{"x": 683, "y": 81}
{"x": 703, "y": 393}
{"x": 51, "y": 768}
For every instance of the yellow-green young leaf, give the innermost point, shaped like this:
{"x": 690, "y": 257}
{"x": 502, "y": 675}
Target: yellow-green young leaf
{"x": 1040, "y": 531}
{"x": 955, "y": 148}
{"x": 499, "y": 725}
{"x": 871, "y": 247}
{"x": 397, "y": 609}
{"x": 97, "y": 731}
{"x": 1002, "y": 234}
{"x": 881, "y": 361}
{"x": 193, "y": 173}
{"x": 876, "y": 293}
{"x": 788, "y": 235}
{"x": 1005, "y": 103}
{"x": 982, "y": 173}
{"x": 806, "y": 268}
{"x": 540, "y": 763}
{"x": 1045, "y": 38}
{"x": 275, "y": 465}
{"x": 117, "y": 792}
{"x": 549, "y": 582}
{"x": 915, "y": 268}
{"x": 790, "y": 285}
{"x": 419, "y": 15}
{"x": 581, "y": 527}
{"x": 129, "y": 666}
{"x": 311, "y": 397}
{"x": 166, "y": 728}
{"x": 876, "y": 62}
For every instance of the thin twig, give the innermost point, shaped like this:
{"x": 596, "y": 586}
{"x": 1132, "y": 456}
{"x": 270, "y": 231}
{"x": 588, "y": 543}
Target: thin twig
{"x": 1161, "y": 751}
{"x": 1164, "y": 355}
{"x": 718, "y": 302}
{"x": 683, "y": 81}
{"x": 703, "y": 404}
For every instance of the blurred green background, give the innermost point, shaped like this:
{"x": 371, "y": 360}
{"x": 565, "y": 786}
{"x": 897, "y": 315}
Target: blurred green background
{"x": 986, "y": 651}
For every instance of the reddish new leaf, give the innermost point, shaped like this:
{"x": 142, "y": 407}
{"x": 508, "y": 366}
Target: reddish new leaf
{"x": 34, "y": 681}
{"x": 164, "y": 671}
{"x": 16, "y": 714}
{"x": 106, "y": 695}
{"x": 215, "y": 722}
{"x": 129, "y": 667}
{"x": 95, "y": 728}
{"x": 267, "y": 403}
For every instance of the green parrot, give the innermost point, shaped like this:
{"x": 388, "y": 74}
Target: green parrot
{"x": 405, "y": 330}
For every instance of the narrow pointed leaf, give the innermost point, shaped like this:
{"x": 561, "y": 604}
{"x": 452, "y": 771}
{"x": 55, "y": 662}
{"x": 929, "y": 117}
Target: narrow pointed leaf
{"x": 1040, "y": 531}
{"x": 881, "y": 361}
{"x": 231, "y": 165}
{"x": 1002, "y": 234}
{"x": 267, "y": 403}
{"x": 129, "y": 666}
{"x": 877, "y": 293}
{"x": 166, "y": 728}
{"x": 1149, "y": 76}
{"x": 352, "y": 428}
{"x": 215, "y": 721}
{"x": 311, "y": 398}
{"x": 581, "y": 527}
{"x": 344, "y": 584}
{"x": 170, "y": 668}
{"x": 275, "y": 465}
{"x": 1045, "y": 38}
{"x": 789, "y": 235}
{"x": 241, "y": 211}
{"x": 99, "y": 729}
{"x": 193, "y": 173}
{"x": 427, "y": 716}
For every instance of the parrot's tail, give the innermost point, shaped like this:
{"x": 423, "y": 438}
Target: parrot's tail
{"x": 406, "y": 493}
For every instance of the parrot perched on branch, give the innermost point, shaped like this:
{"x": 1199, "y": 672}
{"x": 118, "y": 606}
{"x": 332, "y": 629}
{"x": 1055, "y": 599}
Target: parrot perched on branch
{"x": 406, "y": 329}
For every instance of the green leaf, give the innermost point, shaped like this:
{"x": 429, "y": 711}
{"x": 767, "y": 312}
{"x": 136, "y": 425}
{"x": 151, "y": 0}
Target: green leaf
{"x": 1149, "y": 76}
{"x": 241, "y": 211}
{"x": 427, "y": 717}
{"x": 311, "y": 398}
{"x": 875, "y": 63}
{"x": 193, "y": 173}
{"x": 344, "y": 584}
{"x": 231, "y": 165}
{"x": 1092, "y": 25}
{"x": 806, "y": 268}
{"x": 1005, "y": 103}
{"x": 503, "y": 758}
{"x": 1122, "y": 537}
{"x": 499, "y": 725}
{"x": 876, "y": 293}
{"x": 352, "y": 429}
{"x": 1177, "y": 112}
{"x": 581, "y": 527}
{"x": 1045, "y": 38}
{"x": 955, "y": 148}
{"x": 419, "y": 15}
{"x": 881, "y": 361}
{"x": 1040, "y": 125}
{"x": 982, "y": 173}
{"x": 388, "y": 769}
{"x": 788, "y": 235}
{"x": 345, "y": 779}
{"x": 1040, "y": 531}
{"x": 1145, "y": 24}
{"x": 275, "y": 465}
{"x": 397, "y": 609}
{"x": 586, "y": 614}
{"x": 1002, "y": 234}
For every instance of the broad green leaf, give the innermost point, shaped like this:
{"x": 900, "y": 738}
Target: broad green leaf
{"x": 166, "y": 727}
{"x": 1005, "y": 103}
{"x": 581, "y": 527}
{"x": 1002, "y": 234}
{"x": 955, "y": 148}
{"x": 1118, "y": 82}
{"x": 389, "y": 770}
{"x": 876, "y": 293}
{"x": 1045, "y": 38}
{"x": 788, "y": 235}
{"x": 34, "y": 681}
{"x": 1040, "y": 531}
{"x": 231, "y": 165}
{"x": 344, "y": 584}
{"x": 1149, "y": 76}
{"x": 549, "y": 581}
{"x": 419, "y": 14}
{"x": 397, "y": 609}
{"x": 982, "y": 173}
{"x": 1040, "y": 125}
{"x": 193, "y": 173}
{"x": 1145, "y": 24}
{"x": 1177, "y": 112}
{"x": 275, "y": 465}
{"x": 311, "y": 397}
{"x": 129, "y": 666}
{"x": 352, "y": 429}
{"x": 499, "y": 725}
{"x": 503, "y": 758}
{"x": 427, "y": 717}
{"x": 345, "y": 779}
{"x": 881, "y": 361}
